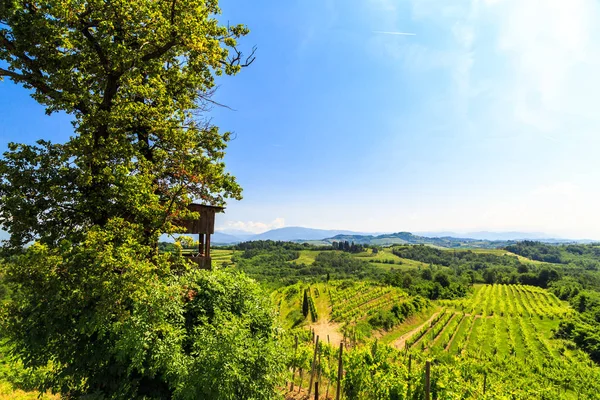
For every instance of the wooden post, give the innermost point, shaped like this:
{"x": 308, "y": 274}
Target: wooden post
{"x": 427, "y": 380}
{"x": 484, "y": 382}
{"x": 208, "y": 245}
{"x": 319, "y": 368}
{"x": 301, "y": 377}
{"x": 327, "y": 339}
{"x": 409, "y": 377}
{"x": 201, "y": 244}
{"x": 294, "y": 366}
{"x": 314, "y": 364}
{"x": 317, "y": 390}
{"x": 339, "y": 377}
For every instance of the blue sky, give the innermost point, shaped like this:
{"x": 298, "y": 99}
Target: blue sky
{"x": 485, "y": 119}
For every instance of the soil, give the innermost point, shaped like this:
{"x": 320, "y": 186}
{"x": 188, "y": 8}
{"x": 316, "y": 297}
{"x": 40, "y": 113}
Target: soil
{"x": 324, "y": 328}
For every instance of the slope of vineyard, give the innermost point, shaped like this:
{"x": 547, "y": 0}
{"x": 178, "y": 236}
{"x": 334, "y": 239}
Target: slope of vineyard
{"x": 357, "y": 309}
{"x": 502, "y": 324}
{"x": 361, "y": 300}
{"x": 496, "y": 343}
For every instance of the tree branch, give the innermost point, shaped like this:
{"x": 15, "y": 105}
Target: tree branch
{"x": 14, "y": 75}
{"x": 161, "y": 50}
{"x": 237, "y": 59}
{"x": 97, "y": 48}
{"x": 35, "y": 78}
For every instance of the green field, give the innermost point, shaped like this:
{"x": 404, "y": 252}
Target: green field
{"x": 384, "y": 259}
{"x": 497, "y": 252}
{"x": 507, "y": 322}
{"x": 219, "y": 257}
{"x": 504, "y": 332}
{"x": 306, "y": 257}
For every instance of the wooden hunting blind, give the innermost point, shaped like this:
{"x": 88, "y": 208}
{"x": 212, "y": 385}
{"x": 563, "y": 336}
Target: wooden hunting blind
{"x": 203, "y": 227}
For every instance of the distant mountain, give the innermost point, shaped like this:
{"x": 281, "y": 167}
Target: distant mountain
{"x": 442, "y": 239}
{"x": 224, "y": 238}
{"x": 296, "y": 233}
{"x": 485, "y": 235}
{"x": 409, "y": 238}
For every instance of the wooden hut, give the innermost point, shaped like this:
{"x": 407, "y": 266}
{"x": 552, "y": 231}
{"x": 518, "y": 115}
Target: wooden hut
{"x": 203, "y": 227}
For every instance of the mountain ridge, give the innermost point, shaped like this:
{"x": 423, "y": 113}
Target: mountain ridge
{"x": 442, "y": 238}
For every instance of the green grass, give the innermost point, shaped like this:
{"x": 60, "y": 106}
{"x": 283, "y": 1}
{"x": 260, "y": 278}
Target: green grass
{"x": 306, "y": 257}
{"x": 220, "y": 256}
{"x": 290, "y": 306}
{"x": 411, "y": 323}
{"x": 462, "y": 331}
{"x": 386, "y": 254}
{"x": 496, "y": 252}
{"x": 12, "y": 371}
{"x": 8, "y": 392}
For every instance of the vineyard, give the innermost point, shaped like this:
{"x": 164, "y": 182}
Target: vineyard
{"x": 498, "y": 320}
{"x": 497, "y": 343}
{"x": 362, "y": 300}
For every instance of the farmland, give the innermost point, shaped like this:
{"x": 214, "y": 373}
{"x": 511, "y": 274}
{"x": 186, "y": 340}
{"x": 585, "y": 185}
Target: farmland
{"x": 501, "y": 335}
{"x": 398, "y": 309}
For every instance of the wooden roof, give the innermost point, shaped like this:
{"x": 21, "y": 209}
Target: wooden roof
{"x": 205, "y": 224}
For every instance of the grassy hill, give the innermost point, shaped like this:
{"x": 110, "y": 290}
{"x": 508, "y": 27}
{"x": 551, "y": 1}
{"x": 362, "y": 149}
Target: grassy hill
{"x": 409, "y": 238}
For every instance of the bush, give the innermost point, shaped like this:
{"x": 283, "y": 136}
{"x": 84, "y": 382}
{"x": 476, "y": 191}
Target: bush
{"x": 111, "y": 322}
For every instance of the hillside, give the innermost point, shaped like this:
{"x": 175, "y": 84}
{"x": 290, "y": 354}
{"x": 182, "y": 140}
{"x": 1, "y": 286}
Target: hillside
{"x": 296, "y": 233}
{"x": 500, "y": 337}
{"x": 409, "y": 238}
{"x": 483, "y": 240}
{"x": 292, "y": 233}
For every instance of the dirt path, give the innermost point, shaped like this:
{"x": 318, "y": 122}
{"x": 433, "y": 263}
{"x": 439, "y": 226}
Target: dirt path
{"x": 399, "y": 343}
{"x": 303, "y": 394}
{"x": 324, "y": 328}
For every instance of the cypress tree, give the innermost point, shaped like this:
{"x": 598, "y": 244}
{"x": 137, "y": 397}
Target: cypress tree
{"x": 305, "y": 304}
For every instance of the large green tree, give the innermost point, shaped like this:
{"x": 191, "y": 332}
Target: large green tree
{"x": 136, "y": 76}
{"x": 93, "y": 304}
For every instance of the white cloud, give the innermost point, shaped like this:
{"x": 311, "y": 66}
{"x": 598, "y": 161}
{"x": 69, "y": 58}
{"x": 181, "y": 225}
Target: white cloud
{"x": 253, "y": 226}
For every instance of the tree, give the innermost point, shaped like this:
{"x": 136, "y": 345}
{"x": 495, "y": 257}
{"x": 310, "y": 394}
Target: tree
{"x": 305, "y": 304}
{"x": 93, "y": 302}
{"x": 442, "y": 278}
{"x": 427, "y": 274}
{"x": 135, "y": 76}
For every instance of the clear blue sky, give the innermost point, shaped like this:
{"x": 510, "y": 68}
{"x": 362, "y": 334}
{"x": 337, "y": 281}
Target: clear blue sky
{"x": 485, "y": 119}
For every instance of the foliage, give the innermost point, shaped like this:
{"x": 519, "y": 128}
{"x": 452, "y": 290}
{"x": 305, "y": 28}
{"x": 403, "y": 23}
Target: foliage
{"x": 586, "y": 256}
{"x": 442, "y": 285}
{"x": 125, "y": 326}
{"x": 272, "y": 245}
{"x": 305, "y": 307}
{"x": 398, "y": 313}
{"x": 276, "y": 266}
{"x": 348, "y": 247}
{"x": 314, "y": 316}
{"x": 134, "y": 75}
{"x": 92, "y": 299}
